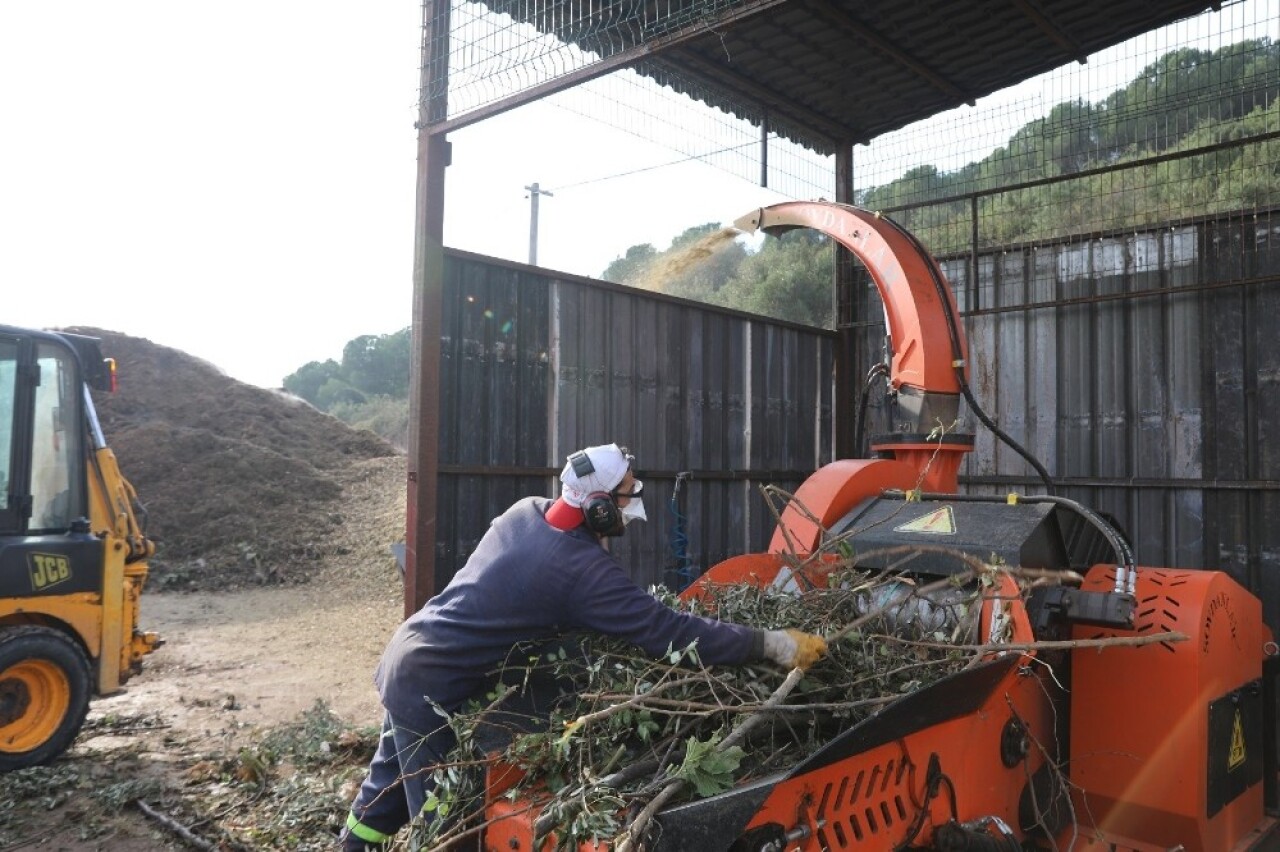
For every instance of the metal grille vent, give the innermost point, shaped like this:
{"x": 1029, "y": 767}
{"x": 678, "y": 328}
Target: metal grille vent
{"x": 862, "y": 805}
{"x": 1158, "y": 608}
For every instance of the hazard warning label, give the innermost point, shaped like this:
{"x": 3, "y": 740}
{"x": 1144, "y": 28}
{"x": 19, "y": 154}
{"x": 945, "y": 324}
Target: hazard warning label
{"x": 938, "y": 522}
{"x": 1235, "y": 746}
{"x": 1237, "y": 756}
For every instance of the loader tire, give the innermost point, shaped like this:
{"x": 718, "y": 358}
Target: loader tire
{"x": 44, "y": 695}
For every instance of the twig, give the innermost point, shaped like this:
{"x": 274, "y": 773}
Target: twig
{"x": 464, "y": 831}
{"x": 176, "y": 827}
{"x": 633, "y": 701}
{"x": 633, "y": 835}
{"x": 695, "y": 708}
{"x": 108, "y": 731}
{"x": 26, "y": 841}
{"x": 1056, "y": 772}
{"x": 1049, "y": 645}
{"x": 767, "y": 491}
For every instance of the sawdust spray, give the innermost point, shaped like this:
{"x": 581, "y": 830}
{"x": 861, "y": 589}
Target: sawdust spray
{"x": 680, "y": 263}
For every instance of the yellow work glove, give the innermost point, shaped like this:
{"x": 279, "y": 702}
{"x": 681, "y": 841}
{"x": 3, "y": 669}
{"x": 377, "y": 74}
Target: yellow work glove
{"x": 793, "y": 648}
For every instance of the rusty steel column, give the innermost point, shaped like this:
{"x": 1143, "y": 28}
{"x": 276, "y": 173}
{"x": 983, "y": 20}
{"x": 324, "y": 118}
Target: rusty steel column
{"x": 428, "y": 293}
{"x": 846, "y": 360}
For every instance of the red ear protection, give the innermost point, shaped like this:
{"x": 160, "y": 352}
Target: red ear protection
{"x": 600, "y": 510}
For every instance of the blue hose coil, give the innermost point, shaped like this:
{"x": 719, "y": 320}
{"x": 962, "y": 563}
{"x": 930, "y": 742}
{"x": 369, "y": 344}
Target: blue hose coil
{"x": 681, "y": 566}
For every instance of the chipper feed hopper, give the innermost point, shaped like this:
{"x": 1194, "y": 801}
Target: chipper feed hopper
{"x": 1129, "y": 708}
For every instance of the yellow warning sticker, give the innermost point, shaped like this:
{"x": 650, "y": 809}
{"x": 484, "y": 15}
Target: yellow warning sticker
{"x": 1236, "y": 758}
{"x": 938, "y": 522}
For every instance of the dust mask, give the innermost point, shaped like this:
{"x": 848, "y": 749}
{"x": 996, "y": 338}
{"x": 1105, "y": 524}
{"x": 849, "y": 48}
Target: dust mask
{"x": 633, "y": 511}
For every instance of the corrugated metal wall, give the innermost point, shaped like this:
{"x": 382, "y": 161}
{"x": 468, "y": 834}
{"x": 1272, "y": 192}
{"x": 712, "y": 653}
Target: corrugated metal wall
{"x": 535, "y": 366}
{"x": 1143, "y": 369}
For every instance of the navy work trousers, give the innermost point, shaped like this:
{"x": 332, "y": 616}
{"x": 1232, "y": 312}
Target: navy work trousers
{"x": 399, "y": 778}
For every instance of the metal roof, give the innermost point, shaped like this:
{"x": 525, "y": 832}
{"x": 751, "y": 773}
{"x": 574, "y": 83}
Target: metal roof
{"x": 828, "y": 73}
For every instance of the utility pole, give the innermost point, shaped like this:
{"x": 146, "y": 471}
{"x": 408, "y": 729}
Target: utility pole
{"x": 534, "y": 192}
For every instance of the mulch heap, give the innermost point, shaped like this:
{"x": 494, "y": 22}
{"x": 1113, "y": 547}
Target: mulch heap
{"x": 241, "y": 485}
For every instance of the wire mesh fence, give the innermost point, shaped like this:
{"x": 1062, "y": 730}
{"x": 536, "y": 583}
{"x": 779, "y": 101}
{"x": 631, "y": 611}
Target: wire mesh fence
{"x": 505, "y": 46}
{"x": 1175, "y": 123}
{"x": 1181, "y": 122}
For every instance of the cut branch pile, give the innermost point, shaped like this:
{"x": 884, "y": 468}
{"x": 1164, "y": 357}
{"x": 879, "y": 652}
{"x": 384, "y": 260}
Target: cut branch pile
{"x": 611, "y": 729}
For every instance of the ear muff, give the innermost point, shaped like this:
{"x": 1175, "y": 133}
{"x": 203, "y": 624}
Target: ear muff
{"x": 602, "y": 514}
{"x": 581, "y": 464}
{"x": 600, "y": 510}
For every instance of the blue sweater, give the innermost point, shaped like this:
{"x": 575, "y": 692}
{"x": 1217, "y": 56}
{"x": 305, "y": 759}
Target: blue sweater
{"x": 526, "y": 581}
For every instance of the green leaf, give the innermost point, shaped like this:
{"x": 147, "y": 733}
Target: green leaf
{"x": 708, "y": 770}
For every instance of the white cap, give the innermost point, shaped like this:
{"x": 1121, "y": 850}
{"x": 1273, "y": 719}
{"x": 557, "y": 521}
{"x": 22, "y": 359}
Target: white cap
{"x": 610, "y": 469}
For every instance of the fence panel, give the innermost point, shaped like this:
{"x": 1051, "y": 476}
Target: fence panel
{"x": 536, "y": 365}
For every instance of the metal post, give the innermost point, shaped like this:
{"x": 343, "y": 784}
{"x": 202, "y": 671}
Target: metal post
{"x": 975, "y": 298}
{"x": 534, "y": 192}
{"x": 764, "y": 151}
{"x": 846, "y": 387}
{"x": 428, "y": 299}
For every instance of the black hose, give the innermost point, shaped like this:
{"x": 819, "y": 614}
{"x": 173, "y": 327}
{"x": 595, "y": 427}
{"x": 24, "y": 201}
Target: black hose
{"x": 1000, "y": 433}
{"x": 1117, "y": 541}
{"x": 957, "y": 359}
{"x": 859, "y": 417}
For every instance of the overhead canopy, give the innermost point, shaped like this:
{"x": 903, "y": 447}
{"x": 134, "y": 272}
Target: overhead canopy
{"x": 828, "y": 73}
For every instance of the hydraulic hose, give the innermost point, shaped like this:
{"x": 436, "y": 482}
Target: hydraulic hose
{"x": 877, "y": 370}
{"x": 1126, "y": 567}
{"x": 958, "y": 362}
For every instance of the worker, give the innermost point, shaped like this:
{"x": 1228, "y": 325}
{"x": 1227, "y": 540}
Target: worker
{"x": 542, "y": 568}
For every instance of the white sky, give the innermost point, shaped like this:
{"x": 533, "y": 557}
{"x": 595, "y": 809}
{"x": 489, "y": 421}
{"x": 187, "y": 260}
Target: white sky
{"x": 236, "y": 180}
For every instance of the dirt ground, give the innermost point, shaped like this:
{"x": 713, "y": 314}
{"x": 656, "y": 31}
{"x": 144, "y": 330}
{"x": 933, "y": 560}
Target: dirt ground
{"x": 235, "y": 666}
{"x": 275, "y": 590}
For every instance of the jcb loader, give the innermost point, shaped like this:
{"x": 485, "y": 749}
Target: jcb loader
{"x": 73, "y": 554}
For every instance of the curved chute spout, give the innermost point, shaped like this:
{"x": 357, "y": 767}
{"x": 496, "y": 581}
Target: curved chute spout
{"x": 927, "y": 337}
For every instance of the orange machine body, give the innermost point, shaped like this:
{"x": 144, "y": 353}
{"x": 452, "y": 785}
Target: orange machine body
{"x": 1167, "y": 740}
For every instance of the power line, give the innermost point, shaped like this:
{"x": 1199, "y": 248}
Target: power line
{"x": 702, "y": 156}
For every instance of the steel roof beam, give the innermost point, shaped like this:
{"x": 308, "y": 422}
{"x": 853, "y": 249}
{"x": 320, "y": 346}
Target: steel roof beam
{"x": 688, "y": 63}
{"x": 1064, "y": 40}
{"x": 846, "y": 23}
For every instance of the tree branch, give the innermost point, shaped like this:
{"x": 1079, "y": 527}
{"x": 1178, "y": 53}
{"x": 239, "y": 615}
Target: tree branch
{"x": 1049, "y": 645}
{"x": 633, "y": 836}
{"x": 190, "y": 837}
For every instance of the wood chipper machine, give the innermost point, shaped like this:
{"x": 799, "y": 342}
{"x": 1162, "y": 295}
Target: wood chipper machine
{"x": 1131, "y": 708}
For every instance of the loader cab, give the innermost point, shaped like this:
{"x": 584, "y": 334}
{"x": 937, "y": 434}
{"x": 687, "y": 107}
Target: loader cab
{"x": 42, "y": 442}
